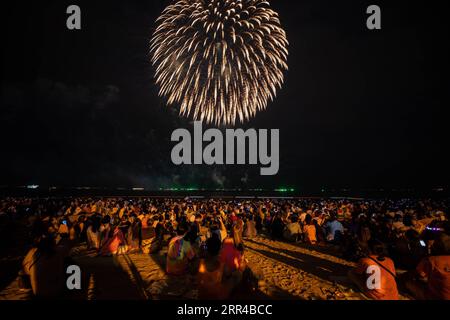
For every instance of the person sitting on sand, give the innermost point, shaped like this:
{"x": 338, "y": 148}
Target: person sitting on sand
{"x": 359, "y": 275}
{"x": 334, "y": 229}
{"x": 293, "y": 229}
{"x": 43, "y": 266}
{"x": 115, "y": 244}
{"x": 219, "y": 227}
{"x": 277, "y": 227}
{"x": 104, "y": 230}
{"x": 158, "y": 225}
{"x": 309, "y": 230}
{"x": 232, "y": 254}
{"x": 213, "y": 284}
{"x": 431, "y": 279}
{"x": 319, "y": 232}
{"x": 180, "y": 252}
{"x": 150, "y": 243}
{"x": 259, "y": 219}
{"x": 210, "y": 271}
{"x": 93, "y": 233}
{"x": 134, "y": 236}
{"x": 250, "y": 228}
{"x": 408, "y": 250}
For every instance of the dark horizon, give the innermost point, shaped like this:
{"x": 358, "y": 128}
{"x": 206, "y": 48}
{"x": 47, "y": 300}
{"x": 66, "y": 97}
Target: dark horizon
{"x": 359, "y": 109}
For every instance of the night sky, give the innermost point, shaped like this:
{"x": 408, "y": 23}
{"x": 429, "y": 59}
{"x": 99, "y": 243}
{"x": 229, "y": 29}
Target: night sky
{"x": 359, "y": 108}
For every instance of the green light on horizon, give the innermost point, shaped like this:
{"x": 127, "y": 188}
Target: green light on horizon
{"x": 284, "y": 190}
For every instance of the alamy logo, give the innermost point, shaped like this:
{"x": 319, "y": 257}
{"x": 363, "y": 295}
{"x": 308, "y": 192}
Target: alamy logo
{"x": 374, "y": 20}
{"x": 374, "y": 279}
{"x": 73, "y": 22}
{"x": 74, "y": 280}
{"x": 238, "y": 145}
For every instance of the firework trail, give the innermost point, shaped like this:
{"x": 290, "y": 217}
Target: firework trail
{"x": 220, "y": 61}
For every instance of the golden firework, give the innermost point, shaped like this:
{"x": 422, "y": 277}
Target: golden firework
{"x": 220, "y": 61}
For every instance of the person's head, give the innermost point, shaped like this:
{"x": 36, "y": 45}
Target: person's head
{"x": 46, "y": 244}
{"x": 376, "y": 247}
{"x": 333, "y": 216}
{"x": 192, "y": 234}
{"x": 441, "y": 246}
{"x": 308, "y": 219}
{"x": 182, "y": 229}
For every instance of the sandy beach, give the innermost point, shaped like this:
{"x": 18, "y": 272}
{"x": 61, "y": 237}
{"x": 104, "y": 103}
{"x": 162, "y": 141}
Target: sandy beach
{"x": 284, "y": 271}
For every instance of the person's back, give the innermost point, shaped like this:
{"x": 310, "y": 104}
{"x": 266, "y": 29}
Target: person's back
{"x": 277, "y": 227}
{"x": 409, "y": 251}
{"x": 210, "y": 279}
{"x": 259, "y": 222}
{"x": 180, "y": 252}
{"x": 115, "y": 241}
{"x": 250, "y": 229}
{"x": 310, "y": 233}
{"x": 45, "y": 267}
{"x": 309, "y": 229}
{"x": 159, "y": 229}
{"x": 437, "y": 271}
{"x": 335, "y": 230}
{"x": 210, "y": 273}
{"x": 230, "y": 255}
{"x": 93, "y": 234}
{"x": 388, "y": 289}
{"x": 220, "y": 274}
{"x": 293, "y": 231}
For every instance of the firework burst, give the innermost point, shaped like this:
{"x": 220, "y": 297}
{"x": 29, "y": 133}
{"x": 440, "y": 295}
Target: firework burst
{"x": 220, "y": 61}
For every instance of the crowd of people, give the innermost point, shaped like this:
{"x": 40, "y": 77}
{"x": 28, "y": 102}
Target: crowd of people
{"x": 205, "y": 238}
